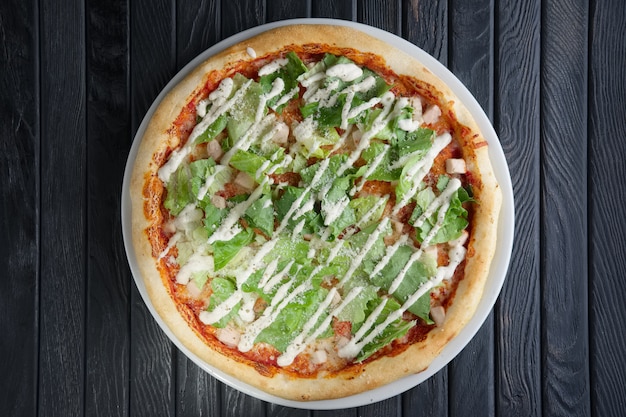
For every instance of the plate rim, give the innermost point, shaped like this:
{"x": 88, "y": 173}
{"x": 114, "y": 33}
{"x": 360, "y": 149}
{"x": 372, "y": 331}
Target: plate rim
{"x": 498, "y": 271}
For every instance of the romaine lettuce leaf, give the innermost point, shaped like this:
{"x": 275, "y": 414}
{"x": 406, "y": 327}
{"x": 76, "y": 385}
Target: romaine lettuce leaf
{"x": 261, "y": 215}
{"x": 225, "y": 251}
{"x": 289, "y": 74}
{"x": 419, "y": 272}
{"x": 291, "y": 320}
{"x": 222, "y": 288}
{"x": 455, "y": 220}
{"x": 394, "y": 331}
{"x": 313, "y": 220}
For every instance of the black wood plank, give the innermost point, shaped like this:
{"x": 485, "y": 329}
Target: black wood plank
{"x": 236, "y": 403}
{"x": 385, "y": 15}
{"x": 240, "y": 15}
{"x": 153, "y": 60}
{"x": 426, "y": 25}
{"x": 286, "y": 9}
{"x": 274, "y": 410}
{"x": 63, "y": 200}
{"x": 198, "y": 393}
{"x": 198, "y": 28}
{"x": 517, "y": 120}
{"x": 344, "y": 9}
{"x": 607, "y": 170}
{"x": 471, "y": 374}
{"x": 108, "y": 279}
{"x": 565, "y": 350}
{"x": 347, "y": 412}
{"x": 19, "y": 210}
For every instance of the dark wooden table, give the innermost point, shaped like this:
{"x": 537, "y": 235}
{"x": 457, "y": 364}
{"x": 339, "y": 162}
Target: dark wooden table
{"x": 77, "y": 78}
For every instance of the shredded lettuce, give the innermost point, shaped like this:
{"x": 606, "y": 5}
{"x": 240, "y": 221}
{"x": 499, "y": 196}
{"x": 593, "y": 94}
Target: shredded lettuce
{"x": 243, "y": 113}
{"x": 312, "y": 220}
{"x": 455, "y": 220}
{"x": 419, "y": 272}
{"x": 291, "y": 320}
{"x": 394, "y": 331}
{"x": 213, "y": 130}
{"x": 261, "y": 215}
{"x": 289, "y": 74}
{"x": 185, "y": 184}
{"x": 225, "y": 251}
{"x": 221, "y": 289}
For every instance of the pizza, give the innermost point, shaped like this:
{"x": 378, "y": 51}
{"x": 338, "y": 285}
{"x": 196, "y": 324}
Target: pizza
{"x": 314, "y": 212}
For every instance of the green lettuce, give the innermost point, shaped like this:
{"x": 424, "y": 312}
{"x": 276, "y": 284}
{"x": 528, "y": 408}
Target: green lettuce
{"x": 291, "y": 320}
{"x": 222, "y": 289}
{"x": 395, "y": 330}
{"x": 455, "y": 220}
{"x": 419, "y": 272}
{"x": 225, "y": 251}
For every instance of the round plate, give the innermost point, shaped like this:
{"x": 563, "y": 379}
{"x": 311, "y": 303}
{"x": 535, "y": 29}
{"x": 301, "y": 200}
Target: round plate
{"x": 498, "y": 268}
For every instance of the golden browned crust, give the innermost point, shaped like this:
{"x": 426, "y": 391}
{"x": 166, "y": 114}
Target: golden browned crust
{"x": 383, "y": 370}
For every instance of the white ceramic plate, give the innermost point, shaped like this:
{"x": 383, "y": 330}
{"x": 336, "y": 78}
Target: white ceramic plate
{"x": 498, "y": 268}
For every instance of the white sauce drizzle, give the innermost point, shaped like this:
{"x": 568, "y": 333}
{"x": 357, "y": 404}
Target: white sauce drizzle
{"x": 278, "y": 303}
{"x": 345, "y": 72}
{"x": 297, "y": 345}
{"x": 278, "y": 85}
{"x": 177, "y": 156}
{"x": 273, "y": 66}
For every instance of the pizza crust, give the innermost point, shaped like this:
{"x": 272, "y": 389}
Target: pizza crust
{"x": 385, "y": 369}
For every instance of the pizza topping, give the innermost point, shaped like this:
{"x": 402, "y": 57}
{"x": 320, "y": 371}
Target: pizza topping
{"x": 302, "y": 217}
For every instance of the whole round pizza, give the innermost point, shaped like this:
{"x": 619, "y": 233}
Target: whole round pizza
{"x": 314, "y": 212}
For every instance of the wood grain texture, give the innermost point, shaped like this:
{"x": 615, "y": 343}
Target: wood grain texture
{"x": 198, "y": 28}
{"x": 152, "y": 379}
{"x": 343, "y": 9}
{"x": 63, "y": 190}
{"x": 285, "y": 9}
{"x": 564, "y": 320}
{"x": 19, "y": 206}
{"x": 197, "y": 393}
{"x": 428, "y": 399}
{"x": 346, "y": 412}
{"x": 240, "y": 15}
{"x": 236, "y": 403}
{"x": 471, "y": 60}
{"x": 607, "y": 200}
{"x": 108, "y": 280}
{"x": 274, "y": 410}
{"x": 426, "y": 25}
{"x": 517, "y": 120}
{"x": 385, "y": 15}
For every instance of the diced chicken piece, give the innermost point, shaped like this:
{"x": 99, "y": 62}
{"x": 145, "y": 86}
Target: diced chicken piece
{"x": 456, "y": 166}
{"x": 228, "y": 336}
{"x": 431, "y": 251}
{"x": 218, "y": 201}
{"x": 438, "y": 314}
{"x": 431, "y": 115}
{"x": 244, "y": 180}
{"x": 281, "y": 134}
{"x": 319, "y": 356}
{"x": 214, "y": 150}
{"x": 416, "y": 103}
